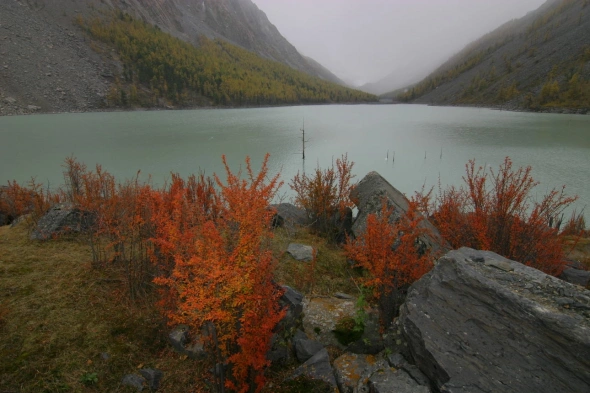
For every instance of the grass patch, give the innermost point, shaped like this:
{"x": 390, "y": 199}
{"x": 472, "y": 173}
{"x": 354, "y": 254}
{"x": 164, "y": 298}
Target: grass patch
{"x": 65, "y": 327}
{"x": 329, "y": 273}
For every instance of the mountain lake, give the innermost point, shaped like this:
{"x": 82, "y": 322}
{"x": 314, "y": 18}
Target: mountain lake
{"x": 410, "y": 145}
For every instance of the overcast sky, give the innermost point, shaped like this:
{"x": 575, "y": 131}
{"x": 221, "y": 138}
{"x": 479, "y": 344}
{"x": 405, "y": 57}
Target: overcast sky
{"x": 365, "y": 40}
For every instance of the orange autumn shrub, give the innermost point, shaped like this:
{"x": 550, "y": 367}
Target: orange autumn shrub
{"x": 390, "y": 252}
{"x": 495, "y": 211}
{"x": 325, "y": 196}
{"x": 17, "y": 200}
{"x": 118, "y": 217}
{"x": 221, "y": 271}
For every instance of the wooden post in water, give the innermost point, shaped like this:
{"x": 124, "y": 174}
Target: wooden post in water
{"x": 303, "y": 138}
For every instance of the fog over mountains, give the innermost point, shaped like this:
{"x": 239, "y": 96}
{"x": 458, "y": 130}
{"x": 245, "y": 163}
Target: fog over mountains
{"x": 393, "y": 42}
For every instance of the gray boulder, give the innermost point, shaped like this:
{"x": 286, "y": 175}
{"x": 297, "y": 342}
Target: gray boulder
{"x": 185, "y": 344}
{"x": 391, "y": 380}
{"x": 479, "y": 322}
{"x": 576, "y": 276}
{"x": 289, "y": 215}
{"x": 305, "y": 348}
{"x": 134, "y": 381}
{"x": 300, "y": 252}
{"x": 178, "y": 337}
{"x": 287, "y": 332}
{"x": 368, "y": 196}
{"x": 317, "y": 367}
{"x": 292, "y": 301}
{"x": 61, "y": 219}
{"x": 300, "y": 335}
{"x": 152, "y": 377}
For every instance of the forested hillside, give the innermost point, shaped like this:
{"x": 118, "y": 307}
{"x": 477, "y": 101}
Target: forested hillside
{"x": 159, "y": 69}
{"x": 539, "y": 62}
{"x": 49, "y": 63}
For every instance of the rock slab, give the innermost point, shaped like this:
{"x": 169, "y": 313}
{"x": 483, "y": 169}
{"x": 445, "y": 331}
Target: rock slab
{"x": 472, "y": 327}
{"x": 368, "y": 196}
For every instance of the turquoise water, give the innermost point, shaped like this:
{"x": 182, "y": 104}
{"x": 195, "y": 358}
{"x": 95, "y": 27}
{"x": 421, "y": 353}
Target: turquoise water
{"x": 428, "y": 143}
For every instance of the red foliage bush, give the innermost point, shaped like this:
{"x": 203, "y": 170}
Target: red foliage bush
{"x": 496, "y": 211}
{"x": 390, "y": 253}
{"x": 17, "y": 200}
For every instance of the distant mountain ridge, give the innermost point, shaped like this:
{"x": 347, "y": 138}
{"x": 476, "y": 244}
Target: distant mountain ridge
{"x": 396, "y": 80}
{"x": 538, "y": 62}
{"x": 48, "y": 64}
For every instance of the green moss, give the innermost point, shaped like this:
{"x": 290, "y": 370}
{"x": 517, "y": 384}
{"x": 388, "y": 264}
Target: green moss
{"x": 347, "y": 330}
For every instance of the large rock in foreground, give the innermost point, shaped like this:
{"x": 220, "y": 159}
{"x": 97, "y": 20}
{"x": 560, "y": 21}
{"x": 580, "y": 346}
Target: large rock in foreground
{"x": 481, "y": 323}
{"x": 368, "y": 196}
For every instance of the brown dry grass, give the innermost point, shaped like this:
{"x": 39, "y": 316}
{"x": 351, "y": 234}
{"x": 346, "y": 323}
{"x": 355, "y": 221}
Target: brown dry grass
{"x": 57, "y": 316}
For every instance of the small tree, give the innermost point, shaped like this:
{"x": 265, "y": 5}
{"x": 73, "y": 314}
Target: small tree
{"x": 391, "y": 254}
{"x": 222, "y": 272}
{"x": 325, "y": 196}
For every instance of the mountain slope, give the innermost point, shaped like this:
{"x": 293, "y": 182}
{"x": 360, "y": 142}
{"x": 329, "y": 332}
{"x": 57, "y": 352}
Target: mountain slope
{"x": 47, "y": 63}
{"x": 161, "y": 69}
{"x": 538, "y": 62}
{"x": 238, "y": 21}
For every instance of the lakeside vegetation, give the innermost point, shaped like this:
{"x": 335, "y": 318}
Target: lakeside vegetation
{"x": 159, "y": 69}
{"x": 73, "y": 299}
